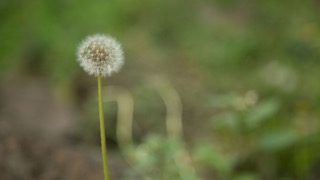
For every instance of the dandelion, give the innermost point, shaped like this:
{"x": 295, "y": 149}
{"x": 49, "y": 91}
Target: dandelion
{"x": 101, "y": 56}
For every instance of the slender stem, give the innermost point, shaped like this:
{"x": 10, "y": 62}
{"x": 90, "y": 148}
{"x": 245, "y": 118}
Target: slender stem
{"x": 102, "y": 131}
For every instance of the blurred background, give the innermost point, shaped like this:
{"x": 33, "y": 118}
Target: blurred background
{"x": 220, "y": 89}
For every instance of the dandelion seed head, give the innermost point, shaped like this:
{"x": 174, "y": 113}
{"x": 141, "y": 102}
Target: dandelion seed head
{"x": 100, "y": 54}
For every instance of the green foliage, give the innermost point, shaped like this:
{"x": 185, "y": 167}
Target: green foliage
{"x": 217, "y": 160}
{"x": 155, "y": 159}
{"x": 274, "y": 140}
{"x": 261, "y": 113}
{"x": 253, "y": 140}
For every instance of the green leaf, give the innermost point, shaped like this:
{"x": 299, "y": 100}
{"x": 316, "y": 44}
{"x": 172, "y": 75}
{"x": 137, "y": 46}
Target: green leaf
{"x": 226, "y": 121}
{"x": 276, "y": 140}
{"x": 221, "y": 163}
{"x": 261, "y": 113}
{"x": 246, "y": 176}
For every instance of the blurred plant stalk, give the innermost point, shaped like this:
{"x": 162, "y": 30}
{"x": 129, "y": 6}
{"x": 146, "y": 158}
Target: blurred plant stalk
{"x": 173, "y": 122}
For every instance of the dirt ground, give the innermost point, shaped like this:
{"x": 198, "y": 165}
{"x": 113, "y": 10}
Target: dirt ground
{"x": 37, "y": 138}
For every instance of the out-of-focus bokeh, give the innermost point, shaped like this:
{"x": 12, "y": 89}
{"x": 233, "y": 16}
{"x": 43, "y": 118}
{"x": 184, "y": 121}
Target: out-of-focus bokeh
{"x": 221, "y": 89}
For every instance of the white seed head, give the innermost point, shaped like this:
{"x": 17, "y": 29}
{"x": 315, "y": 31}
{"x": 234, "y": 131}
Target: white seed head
{"x": 100, "y": 54}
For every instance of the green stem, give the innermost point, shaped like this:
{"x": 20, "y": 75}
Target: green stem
{"x": 102, "y": 131}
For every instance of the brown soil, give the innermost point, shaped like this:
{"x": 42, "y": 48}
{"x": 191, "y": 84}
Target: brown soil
{"x": 36, "y": 138}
